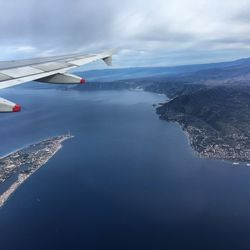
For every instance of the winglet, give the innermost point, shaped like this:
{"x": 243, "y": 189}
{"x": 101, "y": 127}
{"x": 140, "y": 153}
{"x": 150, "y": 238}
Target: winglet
{"x": 108, "y": 58}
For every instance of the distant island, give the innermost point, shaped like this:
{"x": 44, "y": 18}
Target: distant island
{"x": 18, "y": 166}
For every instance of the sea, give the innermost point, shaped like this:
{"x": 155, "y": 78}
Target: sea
{"x": 127, "y": 180}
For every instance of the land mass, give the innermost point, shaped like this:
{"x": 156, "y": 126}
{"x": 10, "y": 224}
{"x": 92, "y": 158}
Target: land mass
{"x": 211, "y": 102}
{"x": 20, "y": 165}
{"x": 217, "y": 121}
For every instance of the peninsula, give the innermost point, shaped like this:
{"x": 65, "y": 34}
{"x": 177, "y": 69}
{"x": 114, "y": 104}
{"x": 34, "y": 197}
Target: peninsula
{"x": 18, "y": 166}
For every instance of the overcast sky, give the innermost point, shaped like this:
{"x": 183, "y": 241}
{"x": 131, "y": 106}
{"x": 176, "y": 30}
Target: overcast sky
{"x": 147, "y": 33}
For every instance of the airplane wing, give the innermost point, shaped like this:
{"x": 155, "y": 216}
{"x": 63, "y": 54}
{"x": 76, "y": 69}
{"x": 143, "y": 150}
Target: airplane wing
{"x": 47, "y": 69}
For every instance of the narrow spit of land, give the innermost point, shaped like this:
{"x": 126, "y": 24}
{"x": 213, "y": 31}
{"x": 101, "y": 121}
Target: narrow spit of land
{"x": 23, "y": 163}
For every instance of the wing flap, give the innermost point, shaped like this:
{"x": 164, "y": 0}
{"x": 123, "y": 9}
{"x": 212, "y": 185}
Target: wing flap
{"x": 85, "y": 60}
{"x": 21, "y": 72}
{"x": 51, "y": 66}
{"x": 4, "y": 77}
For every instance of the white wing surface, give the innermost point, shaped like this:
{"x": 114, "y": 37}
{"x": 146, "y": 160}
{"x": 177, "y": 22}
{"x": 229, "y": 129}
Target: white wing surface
{"x": 47, "y": 69}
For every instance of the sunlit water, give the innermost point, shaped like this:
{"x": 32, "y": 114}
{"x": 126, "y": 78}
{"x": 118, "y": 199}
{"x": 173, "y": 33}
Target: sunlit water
{"x": 126, "y": 181}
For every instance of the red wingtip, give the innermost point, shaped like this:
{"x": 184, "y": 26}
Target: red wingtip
{"x": 82, "y": 81}
{"x": 16, "y": 108}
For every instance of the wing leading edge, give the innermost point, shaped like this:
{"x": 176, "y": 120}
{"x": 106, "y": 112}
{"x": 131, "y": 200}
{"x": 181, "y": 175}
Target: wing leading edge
{"x": 48, "y": 69}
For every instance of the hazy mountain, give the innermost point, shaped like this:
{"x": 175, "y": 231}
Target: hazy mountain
{"x": 187, "y": 72}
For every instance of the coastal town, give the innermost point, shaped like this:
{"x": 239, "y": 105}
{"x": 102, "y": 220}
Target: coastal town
{"x": 207, "y": 144}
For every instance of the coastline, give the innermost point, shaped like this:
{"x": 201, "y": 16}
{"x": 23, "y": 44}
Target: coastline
{"x": 192, "y": 144}
{"x": 47, "y": 153}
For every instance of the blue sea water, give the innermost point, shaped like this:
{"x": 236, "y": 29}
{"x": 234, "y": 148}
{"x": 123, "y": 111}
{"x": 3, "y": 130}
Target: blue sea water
{"x": 127, "y": 180}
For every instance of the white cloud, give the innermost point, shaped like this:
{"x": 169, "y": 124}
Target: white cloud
{"x": 25, "y": 49}
{"x": 148, "y": 32}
